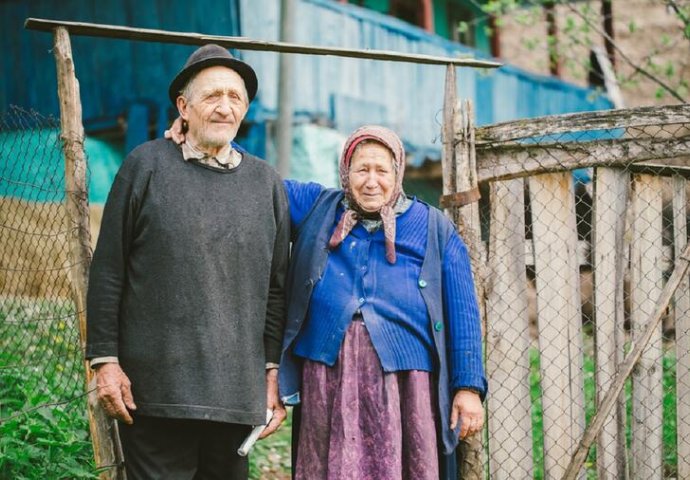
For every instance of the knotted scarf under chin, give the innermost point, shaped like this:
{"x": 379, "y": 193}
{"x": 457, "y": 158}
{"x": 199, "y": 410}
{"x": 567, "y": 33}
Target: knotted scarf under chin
{"x": 351, "y": 217}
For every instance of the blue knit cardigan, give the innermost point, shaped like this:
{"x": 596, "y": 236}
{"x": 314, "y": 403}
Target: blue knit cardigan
{"x": 309, "y": 258}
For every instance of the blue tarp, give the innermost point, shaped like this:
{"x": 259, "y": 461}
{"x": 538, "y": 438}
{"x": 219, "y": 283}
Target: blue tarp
{"x": 32, "y": 167}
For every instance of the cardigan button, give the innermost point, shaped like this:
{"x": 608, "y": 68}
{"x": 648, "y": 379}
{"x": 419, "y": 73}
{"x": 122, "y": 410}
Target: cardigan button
{"x": 422, "y": 283}
{"x": 438, "y": 326}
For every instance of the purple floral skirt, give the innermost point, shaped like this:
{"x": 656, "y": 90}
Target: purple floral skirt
{"x": 359, "y": 422}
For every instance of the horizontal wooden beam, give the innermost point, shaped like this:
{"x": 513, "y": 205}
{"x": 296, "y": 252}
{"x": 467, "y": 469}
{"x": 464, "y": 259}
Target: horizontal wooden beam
{"x": 580, "y": 122}
{"x": 513, "y": 160}
{"x": 243, "y": 43}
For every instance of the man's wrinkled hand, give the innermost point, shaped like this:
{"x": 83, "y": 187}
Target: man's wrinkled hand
{"x": 114, "y": 392}
{"x": 273, "y": 403}
{"x": 467, "y": 408}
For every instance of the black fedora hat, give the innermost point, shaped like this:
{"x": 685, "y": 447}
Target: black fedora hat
{"x": 212, "y": 55}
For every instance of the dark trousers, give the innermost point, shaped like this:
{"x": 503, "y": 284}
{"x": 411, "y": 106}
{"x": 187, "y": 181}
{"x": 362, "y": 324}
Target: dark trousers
{"x": 172, "y": 449}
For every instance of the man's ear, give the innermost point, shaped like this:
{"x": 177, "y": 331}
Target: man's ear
{"x": 182, "y": 105}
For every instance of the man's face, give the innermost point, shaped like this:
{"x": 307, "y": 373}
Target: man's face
{"x": 213, "y": 104}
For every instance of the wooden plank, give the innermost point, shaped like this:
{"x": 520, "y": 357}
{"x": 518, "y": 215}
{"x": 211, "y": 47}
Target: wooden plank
{"x": 586, "y": 121}
{"x": 507, "y": 345}
{"x": 682, "y": 311}
{"x": 554, "y": 230}
{"x": 448, "y": 133}
{"x": 243, "y": 43}
{"x": 611, "y": 192}
{"x": 514, "y": 160}
{"x": 679, "y": 273}
{"x": 76, "y": 203}
{"x": 470, "y": 450}
{"x": 467, "y": 216}
{"x": 646, "y": 284}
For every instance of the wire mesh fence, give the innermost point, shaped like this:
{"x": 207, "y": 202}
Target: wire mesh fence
{"x": 584, "y": 219}
{"x": 43, "y": 425}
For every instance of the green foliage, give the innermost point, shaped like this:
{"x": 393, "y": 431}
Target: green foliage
{"x": 46, "y": 443}
{"x": 582, "y": 29}
{"x": 38, "y": 439}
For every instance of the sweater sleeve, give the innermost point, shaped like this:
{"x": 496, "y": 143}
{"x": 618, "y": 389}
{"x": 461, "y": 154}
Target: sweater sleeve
{"x": 276, "y": 307}
{"x": 108, "y": 269}
{"x": 301, "y": 198}
{"x": 462, "y": 316}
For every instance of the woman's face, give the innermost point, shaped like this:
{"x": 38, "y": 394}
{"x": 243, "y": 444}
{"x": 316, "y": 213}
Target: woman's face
{"x": 372, "y": 176}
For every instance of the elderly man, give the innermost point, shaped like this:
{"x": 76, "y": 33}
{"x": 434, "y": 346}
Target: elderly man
{"x": 185, "y": 303}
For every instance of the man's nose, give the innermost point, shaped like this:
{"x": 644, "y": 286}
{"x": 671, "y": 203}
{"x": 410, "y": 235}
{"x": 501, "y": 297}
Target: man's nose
{"x": 224, "y": 105}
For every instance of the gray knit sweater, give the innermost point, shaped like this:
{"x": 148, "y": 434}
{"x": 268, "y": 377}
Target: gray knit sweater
{"x": 186, "y": 284}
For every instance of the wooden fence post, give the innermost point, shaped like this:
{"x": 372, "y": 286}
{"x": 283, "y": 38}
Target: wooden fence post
{"x": 611, "y": 199}
{"x": 76, "y": 204}
{"x": 646, "y": 285}
{"x": 682, "y": 298}
{"x": 460, "y": 179}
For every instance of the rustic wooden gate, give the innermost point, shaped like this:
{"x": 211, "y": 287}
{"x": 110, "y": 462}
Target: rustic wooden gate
{"x": 547, "y": 373}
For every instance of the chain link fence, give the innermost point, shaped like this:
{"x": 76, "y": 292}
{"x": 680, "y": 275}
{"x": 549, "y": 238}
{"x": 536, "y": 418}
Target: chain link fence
{"x": 43, "y": 425}
{"x": 585, "y": 217}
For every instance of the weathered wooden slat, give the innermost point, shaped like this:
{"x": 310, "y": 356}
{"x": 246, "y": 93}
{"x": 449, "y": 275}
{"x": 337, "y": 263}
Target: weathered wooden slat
{"x": 503, "y": 162}
{"x": 680, "y": 272}
{"x": 471, "y": 464}
{"x": 587, "y": 121}
{"x": 458, "y": 151}
{"x": 554, "y": 230}
{"x": 467, "y": 216}
{"x": 682, "y": 310}
{"x": 611, "y": 192}
{"x": 646, "y": 285}
{"x": 76, "y": 203}
{"x": 448, "y": 133}
{"x": 243, "y": 43}
{"x": 507, "y": 344}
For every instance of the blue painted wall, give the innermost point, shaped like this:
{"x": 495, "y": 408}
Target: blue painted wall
{"x": 125, "y": 83}
{"x": 113, "y": 74}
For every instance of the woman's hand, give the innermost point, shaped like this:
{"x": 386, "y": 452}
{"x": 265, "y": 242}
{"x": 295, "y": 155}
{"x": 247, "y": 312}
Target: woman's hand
{"x": 467, "y": 408}
{"x": 176, "y": 132}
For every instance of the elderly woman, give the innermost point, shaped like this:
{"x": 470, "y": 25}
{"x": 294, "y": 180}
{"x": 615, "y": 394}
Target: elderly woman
{"x": 382, "y": 346}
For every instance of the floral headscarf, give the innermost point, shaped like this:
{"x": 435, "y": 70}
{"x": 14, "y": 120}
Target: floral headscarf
{"x": 353, "y": 213}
